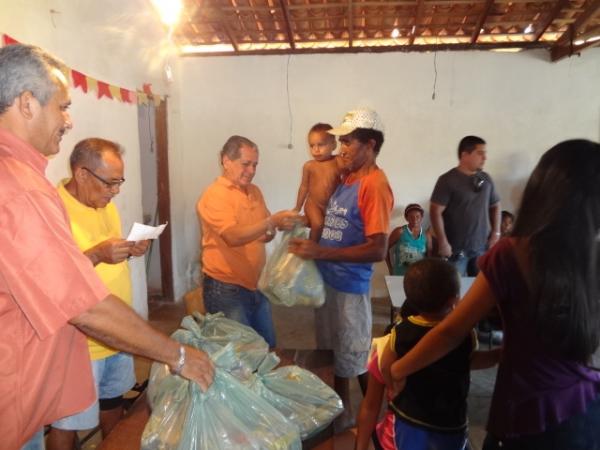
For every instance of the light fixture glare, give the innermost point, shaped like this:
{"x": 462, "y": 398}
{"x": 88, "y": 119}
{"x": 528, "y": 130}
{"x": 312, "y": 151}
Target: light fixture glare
{"x": 168, "y": 10}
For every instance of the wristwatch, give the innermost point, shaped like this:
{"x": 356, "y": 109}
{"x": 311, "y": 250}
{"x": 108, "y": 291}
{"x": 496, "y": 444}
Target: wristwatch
{"x": 180, "y": 362}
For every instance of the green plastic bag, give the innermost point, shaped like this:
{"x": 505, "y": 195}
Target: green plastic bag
{"x": 228, "y": 416}
{"x": 212, "y": 332}
{"x": 302, "y": 397}
{"x": 290, "y": 280}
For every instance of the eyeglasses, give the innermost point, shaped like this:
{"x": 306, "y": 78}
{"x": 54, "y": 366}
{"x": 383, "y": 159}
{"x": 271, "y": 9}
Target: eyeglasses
{"x": 108, "y": 184}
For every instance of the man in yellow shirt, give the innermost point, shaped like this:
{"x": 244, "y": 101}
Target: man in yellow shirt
{"x": 97, "y": 169}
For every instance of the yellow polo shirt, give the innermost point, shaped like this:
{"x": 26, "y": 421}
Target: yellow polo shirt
{"x": 90, "y": 227}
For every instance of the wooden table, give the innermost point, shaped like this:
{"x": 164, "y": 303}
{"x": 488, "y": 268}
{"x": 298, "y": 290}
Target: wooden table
{"x": 395, "y": 286}
{"x": 127, "y": 433}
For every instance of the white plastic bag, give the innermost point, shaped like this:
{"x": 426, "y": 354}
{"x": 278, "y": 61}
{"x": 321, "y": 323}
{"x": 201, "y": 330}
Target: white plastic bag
{"x": 290, "y": 280}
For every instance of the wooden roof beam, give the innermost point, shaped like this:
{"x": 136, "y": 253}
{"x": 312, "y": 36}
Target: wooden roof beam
{"x": 481, "y": 20}
{"x": 560, "y": 4}
{"x": 564, "y": 45}
{"x": 222, "y": 20}
{"x": 568, "y": 51}
{"x": 288, "y": 25}
{"x": 418, "y": 14}
{"x": 384, "y": 3}
{"x": 383, "y": 49}
{"x": 558, "y": 53}
{"x": 350, "y": 22}
{"x": 230, "y": 35}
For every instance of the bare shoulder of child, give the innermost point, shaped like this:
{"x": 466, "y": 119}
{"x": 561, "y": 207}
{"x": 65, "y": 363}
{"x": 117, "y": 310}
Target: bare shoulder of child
{"x": 324, "y": 179}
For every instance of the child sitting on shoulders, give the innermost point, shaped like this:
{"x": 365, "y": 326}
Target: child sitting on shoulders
{"x": 431, "y": 409}
{"x": 320, "y": 178}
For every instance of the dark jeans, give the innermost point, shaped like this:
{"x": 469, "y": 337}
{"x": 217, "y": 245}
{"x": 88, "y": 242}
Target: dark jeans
{"x": 240, "y": 304}
{"x": 465, "y": 262}
{"x": 581, "y": 432}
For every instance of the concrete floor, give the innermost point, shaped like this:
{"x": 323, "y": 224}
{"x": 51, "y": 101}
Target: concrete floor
{"x": 295, "y": 329}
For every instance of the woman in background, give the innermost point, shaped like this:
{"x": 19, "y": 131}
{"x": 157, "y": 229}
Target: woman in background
{"x": 408, "y": 243}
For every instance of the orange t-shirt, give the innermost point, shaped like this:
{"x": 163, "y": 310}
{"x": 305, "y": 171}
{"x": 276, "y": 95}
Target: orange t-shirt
{"x": 220, "y": 207}
{"x": 45, "y": 280}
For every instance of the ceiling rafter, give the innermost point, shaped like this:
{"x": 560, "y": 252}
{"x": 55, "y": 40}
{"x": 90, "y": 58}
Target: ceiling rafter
{"x": 384, "y": 49}
{"x": 564, "y": 45}
{"x": 481, "y": 20}
{"x": 298, "y": 26}
{"x": 552, "y": 15}
{"x": 367, "y": 3}
{"x": 415, "y": 28}
{"x": 350, "y": 23}
{"x": 222, "y": 21}
{"x": 288, "y": 26}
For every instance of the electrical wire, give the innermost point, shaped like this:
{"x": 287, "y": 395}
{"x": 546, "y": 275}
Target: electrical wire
{"x": 435, "y": 74}
{"x": 289, "y": 102}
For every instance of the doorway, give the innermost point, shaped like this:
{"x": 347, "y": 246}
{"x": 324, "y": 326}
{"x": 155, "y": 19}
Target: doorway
{"x": 152, "y": 128}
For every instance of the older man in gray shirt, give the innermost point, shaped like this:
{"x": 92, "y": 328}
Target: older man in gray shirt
{"x": 465, "y": 208}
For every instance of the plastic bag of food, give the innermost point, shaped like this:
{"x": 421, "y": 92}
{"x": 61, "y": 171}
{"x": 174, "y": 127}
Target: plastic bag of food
{"x": 302, "y": 397}
{"x": 228, "y": 416}
{"x": 290, "y": 280}
{"x": 212, "y": 332}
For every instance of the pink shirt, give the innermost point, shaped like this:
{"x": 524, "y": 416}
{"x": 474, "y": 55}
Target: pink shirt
{"x": 385, "y": 428}
{"x": 45, "y": 280}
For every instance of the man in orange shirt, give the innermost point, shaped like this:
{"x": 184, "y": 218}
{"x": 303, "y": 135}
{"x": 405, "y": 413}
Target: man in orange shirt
{"x": 235, "y": 226}
{"x": 355, "y": 236}
{"x": 49, "y": 291}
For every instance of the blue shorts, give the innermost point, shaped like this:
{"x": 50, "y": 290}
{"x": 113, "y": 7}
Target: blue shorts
{"x": 113, "y": 376}
{"x": 36, "y": 442}
{"x": 407, "y": 436}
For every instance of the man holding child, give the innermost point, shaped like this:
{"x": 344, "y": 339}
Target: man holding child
{"x": 354, "y": 237}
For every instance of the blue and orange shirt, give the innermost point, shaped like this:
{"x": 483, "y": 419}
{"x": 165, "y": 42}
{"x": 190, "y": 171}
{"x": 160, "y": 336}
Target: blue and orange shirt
{"x": 359, "y": 207}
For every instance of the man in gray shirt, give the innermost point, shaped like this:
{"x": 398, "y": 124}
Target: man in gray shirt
{"x": 465, "y": 208}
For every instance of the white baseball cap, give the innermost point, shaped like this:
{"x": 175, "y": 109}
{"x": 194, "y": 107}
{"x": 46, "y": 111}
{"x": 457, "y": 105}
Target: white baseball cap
{"x": 358, "y": 118}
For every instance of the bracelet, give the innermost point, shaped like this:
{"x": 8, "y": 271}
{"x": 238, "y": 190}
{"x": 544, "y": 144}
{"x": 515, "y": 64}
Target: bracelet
{"x": 180, "y": 363}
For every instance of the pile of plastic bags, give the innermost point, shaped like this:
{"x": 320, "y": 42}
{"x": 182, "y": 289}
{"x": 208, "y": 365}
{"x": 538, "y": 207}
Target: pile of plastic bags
{"x": 290, "y": 280}
{"x": 248, "y": 406}
{"x": 298, "y": 394}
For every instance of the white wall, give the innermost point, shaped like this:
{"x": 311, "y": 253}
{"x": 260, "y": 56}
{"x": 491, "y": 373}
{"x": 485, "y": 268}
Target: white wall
{"x": 520, "y": 103}
{"x": 109, "y": 41}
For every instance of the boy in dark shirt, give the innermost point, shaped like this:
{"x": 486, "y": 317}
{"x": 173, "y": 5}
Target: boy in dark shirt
{"x": 431, "y": 409}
